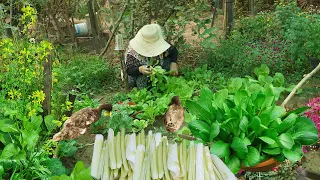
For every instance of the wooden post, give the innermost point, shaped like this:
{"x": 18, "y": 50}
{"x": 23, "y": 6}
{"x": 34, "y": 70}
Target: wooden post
{"x": 47, "y": 76}
{"x": 213, "y": 5}
{"x": 93, "y": 26}
{"x": 120, "y": 47}
{"x": 228, "y": 13}
{"x": 251, "y": 6}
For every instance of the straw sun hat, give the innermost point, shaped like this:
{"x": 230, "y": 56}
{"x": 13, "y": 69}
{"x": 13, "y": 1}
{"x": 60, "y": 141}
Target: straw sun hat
{"x": 149, "y": 41}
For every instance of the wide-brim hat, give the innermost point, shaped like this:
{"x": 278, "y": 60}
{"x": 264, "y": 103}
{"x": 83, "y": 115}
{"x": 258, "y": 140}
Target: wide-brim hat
{"x": 149, "y": 41}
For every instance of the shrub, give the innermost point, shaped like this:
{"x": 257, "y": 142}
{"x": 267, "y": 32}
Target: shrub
{"x": 86, "y": 73}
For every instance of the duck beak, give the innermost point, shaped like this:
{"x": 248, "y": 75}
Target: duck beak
{"x": 107, "y": 113}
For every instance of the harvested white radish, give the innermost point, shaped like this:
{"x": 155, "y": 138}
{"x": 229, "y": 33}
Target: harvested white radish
{"x": 173, "y": 160}
{"x": 123, "y": 150}
{"x": 115, "y": 173}
{"x": 138, "y": 164}
{"x": 160, "y": 160}
{"x": 225, "y": 172}
{"x": 123, "y": 172}
{"x": 118, "y": 151}
{"x": 143, "y": 138}
{"x": 153, "y": 159}
{"x": 157, "y": 138}
{"x": 97, "y": 148}
{"x": 101, "y": 161}
{"x": 165, "y": 158}
{"x": 131, "y": 149}
{"x": 106, "y": 170}
{"x": 199, "y": 162}
{"x": 208, "y": 162}
{"x": 192, "y": 162}
{"x": 112, "y": 156}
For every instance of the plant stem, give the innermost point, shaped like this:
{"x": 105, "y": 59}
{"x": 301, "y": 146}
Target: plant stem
{"x": 114, "y": 29}
{"x": 306, "y": 77}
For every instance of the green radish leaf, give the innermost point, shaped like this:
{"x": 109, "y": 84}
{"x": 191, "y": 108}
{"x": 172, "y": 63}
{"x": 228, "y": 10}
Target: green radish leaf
{"x": 292, "y": 155}
{"x": 219, "y": 98}
{"x": 246, "y": 141}
{"x": 258, "y": 102}
{"x": 199, "y": 111}
{"x": 244, "y": 124}
{"x": 235, "y": 84}
{"x": 239, "y": 147}
{"x": 286, "y": 141}
{"x": 271, "y": 133}
{"x": 263, "y": 70}
{"x": 255, "y": 124}
{"x": 304, "y": 131}
{"x": 240, "y": 96}
{"x": 215, "y": 130}
{"x": 220, "y": 149}
{"x": 1, "y": 171}
{"x": 253, "y": 157}
{"x": 287, "y": 123}
{"x": 220, "y": 115}
{"x": 277, "y": 111}
{"x": 278, "y": 80}
{"x": 273, "y": 151}
{"x": 196, "y": 126}
{"x": 30, "y": 139}
{"x": 297, "y": 111}
{"x": 280, "y": 157}
{"x": 206, "y": 97}
{"x": 233, "y": 164}
{"x": 274, "y": 145}
{"x": 267, "y": 140}
{"x": 9, "y": 151}
{"x": 8, "y": 125}
{"x": 268, "y": 101}
{"x": 224, "y": 135}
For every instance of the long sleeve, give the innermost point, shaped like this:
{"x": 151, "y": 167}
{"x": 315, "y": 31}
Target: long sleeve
{"x": 173, "y": 54}
{"x": 132, "y": 65}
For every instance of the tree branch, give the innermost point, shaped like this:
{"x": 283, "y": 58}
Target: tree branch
{"x": 299, "y": 85}
{"x": 114, "y": 29}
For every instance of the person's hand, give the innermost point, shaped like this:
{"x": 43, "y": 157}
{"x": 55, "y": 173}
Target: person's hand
{"x": 145, "y": 70}
{"x": 174, "y": 69}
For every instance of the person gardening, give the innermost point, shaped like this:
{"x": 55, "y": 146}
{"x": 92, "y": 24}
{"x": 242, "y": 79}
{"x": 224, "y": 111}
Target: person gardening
{"x": 146, "y": 47}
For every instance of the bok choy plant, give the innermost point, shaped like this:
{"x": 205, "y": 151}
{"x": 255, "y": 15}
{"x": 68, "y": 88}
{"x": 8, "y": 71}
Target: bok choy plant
{"x": 244, "y": 124}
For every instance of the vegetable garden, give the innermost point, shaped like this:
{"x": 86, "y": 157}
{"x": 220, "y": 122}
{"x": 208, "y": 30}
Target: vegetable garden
{"x": 249, "y": 87}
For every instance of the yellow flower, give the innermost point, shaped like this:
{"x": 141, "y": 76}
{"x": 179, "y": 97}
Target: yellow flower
{"x": 307, "y": 17}
{"x": 38, "y": 97}
{"x": 32, "y": 113}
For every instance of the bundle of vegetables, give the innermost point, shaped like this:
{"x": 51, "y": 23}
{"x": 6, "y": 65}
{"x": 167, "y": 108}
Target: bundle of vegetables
{"x": 244, "y": 124}
{"x": 151, "y": 156}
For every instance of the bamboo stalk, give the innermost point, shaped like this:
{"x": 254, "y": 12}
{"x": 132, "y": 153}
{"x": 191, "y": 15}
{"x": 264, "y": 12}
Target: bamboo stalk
{"x": 306, "y": 77}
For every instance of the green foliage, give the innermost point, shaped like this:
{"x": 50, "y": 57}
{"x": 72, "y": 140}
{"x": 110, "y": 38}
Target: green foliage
{"x": 120, "y": 119}
{"x": 283, "y": 39}
{"x": 284, "y": 171}
{"x": 245, "y": 124}
{"x": 80, "y": 172}
{"x": 24, "y": 130}
{"x": 86, "y": 73}
{"x": 36, "y": 166}
{"x": 67, "y": 148}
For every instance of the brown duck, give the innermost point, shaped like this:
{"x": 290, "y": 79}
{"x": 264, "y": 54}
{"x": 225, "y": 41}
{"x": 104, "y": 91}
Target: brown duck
{"x": 79, "y": 122}
{"x": 174, "y": 117}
